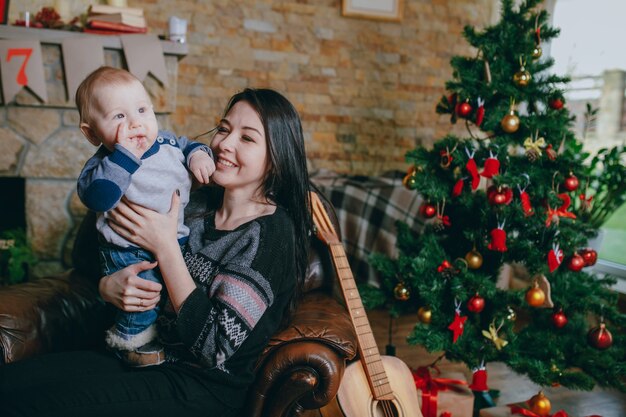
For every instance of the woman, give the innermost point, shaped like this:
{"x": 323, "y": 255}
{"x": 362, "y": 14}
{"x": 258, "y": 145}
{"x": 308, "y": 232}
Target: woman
{"x": 227, "y": 293}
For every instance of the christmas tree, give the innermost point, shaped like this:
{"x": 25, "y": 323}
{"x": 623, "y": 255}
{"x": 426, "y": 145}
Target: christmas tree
{"x": 517, "y": 190}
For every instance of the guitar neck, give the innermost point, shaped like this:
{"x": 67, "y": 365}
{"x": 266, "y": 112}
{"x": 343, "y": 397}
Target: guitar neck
{"x": 368, "y": 349}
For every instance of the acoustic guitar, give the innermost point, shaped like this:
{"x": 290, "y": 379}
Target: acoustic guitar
{"x": 375, "y": 385}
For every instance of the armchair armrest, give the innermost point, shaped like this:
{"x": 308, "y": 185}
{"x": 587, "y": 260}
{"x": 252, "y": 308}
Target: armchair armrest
{"x": 302, "y": 366}
{"x": 51, "y": 314}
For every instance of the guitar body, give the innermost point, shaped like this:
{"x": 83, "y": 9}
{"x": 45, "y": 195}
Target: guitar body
{"x": 354, "y": 398}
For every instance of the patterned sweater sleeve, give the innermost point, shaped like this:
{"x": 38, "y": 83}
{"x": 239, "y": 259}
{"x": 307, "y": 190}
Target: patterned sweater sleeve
{"x": 105, "y": 178}
{"x": 216, "y": 319}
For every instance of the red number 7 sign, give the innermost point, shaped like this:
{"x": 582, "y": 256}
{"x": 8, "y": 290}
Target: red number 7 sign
{"x": 22, "y": 79}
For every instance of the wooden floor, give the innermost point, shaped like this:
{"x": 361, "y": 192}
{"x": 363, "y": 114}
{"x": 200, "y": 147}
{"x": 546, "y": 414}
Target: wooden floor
{"x": 513, "y": 387}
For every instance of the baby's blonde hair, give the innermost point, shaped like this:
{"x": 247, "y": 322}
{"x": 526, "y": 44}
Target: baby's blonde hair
{"x": 102, "y": 76}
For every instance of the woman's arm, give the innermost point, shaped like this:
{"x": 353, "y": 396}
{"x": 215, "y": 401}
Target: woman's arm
{"x": 156, "y": 233}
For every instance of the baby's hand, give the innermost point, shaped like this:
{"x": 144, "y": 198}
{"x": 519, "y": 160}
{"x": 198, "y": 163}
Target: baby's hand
{"x": 131, "y": 140}
{"x": 201, "y": 166}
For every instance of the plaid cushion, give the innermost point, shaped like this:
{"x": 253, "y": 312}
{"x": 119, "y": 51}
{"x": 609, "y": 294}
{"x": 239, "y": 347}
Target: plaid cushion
{"x": 367, "y": 209}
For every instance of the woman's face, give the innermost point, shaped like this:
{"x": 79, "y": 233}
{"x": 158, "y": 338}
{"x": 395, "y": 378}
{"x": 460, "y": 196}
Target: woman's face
{"x": 240, "y": 149}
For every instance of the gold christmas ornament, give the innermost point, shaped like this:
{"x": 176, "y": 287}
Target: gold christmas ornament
{"x": 424, "y": 314}
{"x": 409, "y": 181}
{"x": 401, "y": 292}
{"x": 510, "y": 122}
{"x": 474, "y": 259}
{"x": 536, "y": 54}
{"x": 540, "y": 404}
{"x": 522, "y": 77}
{"x": 535, "y": 296}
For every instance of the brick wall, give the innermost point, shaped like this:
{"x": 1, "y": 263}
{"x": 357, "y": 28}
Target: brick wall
{"x": 366, "y": 90}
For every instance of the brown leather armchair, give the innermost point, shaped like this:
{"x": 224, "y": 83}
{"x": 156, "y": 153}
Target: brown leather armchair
{"x": 299, "y": 370}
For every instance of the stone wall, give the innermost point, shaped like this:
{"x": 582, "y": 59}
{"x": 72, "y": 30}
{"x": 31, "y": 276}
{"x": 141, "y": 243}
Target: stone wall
{"x": 366, "y": 89}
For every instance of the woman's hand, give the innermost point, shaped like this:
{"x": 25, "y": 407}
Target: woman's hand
{"x": 129, "y": 292}
{"x": 147, "y": 228}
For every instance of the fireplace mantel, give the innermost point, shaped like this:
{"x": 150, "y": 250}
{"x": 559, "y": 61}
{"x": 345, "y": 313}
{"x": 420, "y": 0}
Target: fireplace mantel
{"x": 51, "y": 36}
{"x": 164, "y": 98}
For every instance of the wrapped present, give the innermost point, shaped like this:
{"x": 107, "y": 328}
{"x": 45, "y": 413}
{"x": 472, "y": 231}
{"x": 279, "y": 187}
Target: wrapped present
{"x": 515, "y": 410}
{"x": 443, "y": 394}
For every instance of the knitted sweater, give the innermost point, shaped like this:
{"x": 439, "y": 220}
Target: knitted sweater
{"x": 245, "y": 278}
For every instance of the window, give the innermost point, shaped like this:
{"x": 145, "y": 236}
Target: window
{"x": 588, "y": 50}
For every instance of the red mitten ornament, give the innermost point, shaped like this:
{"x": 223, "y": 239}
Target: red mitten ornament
{"x": 479, "y": 379}
{"x": 472, "y": 168}
{"x": 555, "y": 257}
{"x": 498, "y": 239}
{"x": 492, "y": 166}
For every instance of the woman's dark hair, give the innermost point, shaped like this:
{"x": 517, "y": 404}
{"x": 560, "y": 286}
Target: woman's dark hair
{"x": 287, "y": 180}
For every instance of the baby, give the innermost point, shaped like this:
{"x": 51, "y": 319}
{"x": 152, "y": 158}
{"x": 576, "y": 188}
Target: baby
{"x": 145, "y": 165}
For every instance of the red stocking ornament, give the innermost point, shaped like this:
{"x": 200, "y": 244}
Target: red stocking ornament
{"x": 498, "y": 239}
{"x": 555, "y": 257}
{"x": 480, "y": 111}
{"x": 492, "y": 166}
{"x": 458, "y": 187}
{"x": 525, "y": 198}
{"x": 472, "y": 168}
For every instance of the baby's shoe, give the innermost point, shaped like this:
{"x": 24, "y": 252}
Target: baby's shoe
{"x": 149, "y": 354}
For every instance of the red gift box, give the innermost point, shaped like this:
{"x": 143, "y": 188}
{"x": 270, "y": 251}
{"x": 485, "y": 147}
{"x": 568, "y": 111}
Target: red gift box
{"x": 443, "y": 396}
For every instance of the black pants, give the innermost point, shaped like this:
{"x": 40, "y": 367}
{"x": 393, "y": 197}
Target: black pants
{"x": 89, "y": 383}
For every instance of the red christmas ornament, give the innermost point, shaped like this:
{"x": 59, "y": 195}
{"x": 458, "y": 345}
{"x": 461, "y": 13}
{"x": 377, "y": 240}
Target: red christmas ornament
{"x": 599, "y": 337}
{"x": 555, "y": 257}
{"x": 479, "y": 379}
{"x": 571, "y": 182}
{"x": 457, "y": 325}
{"x": 576, "y": 263}
{"x": 472, "y": 169}
{"x": 446, "y": 158}
{"x": 551, "y": 152}
{"x": 559, "y": 319}
{"x": 589, "y": 255}
{"x": 458, "y": 187}
{"x": 555, "y": 103}
{"x": 492, "y": 166}
{"x": 499, "y": 195}
{"x": 480, "y": 111}
{"x": 586, "y": 202}
{"x": 498, "y": 239}
{"x": 464, "y": 109}
{"x": 476, "y": 304}
{"x": 525, "y": 198}
{"x": 553, "y": 215}
{"x": 445, "y": 265}
{"x": 428, "y": 210}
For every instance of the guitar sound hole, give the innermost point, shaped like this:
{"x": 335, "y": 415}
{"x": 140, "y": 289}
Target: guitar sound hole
{"x": 387, "y": 408}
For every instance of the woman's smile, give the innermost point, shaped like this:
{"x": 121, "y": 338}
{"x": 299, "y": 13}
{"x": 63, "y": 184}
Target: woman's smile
{"x": 225, "y": 162}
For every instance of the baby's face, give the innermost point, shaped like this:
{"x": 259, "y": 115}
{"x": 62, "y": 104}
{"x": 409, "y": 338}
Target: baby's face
{"x": 124, "y": 110}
